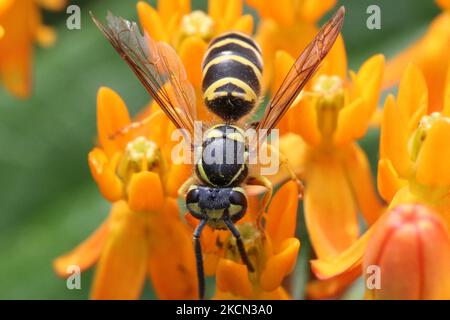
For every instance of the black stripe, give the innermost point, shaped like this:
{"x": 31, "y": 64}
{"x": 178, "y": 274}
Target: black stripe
{"x": 238, "y": 36}
{"x": 234, "y": 49}
{"x": 230, "y": 87}
{"x": 233, "y": 69}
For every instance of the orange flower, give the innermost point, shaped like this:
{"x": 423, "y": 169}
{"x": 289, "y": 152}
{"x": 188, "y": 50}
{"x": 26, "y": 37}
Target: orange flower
{"x": 273, "y": 251}
{"x": 20, "y": 26}
{"x": 411, "y": 249}
{"x": 430, "y": 54}
{"x": 143, "y": 234}
{"x": 413, "y": 165}
{"x": 323, "y": 125}
{"x": 319, "y": 136}
{"x": 289, "y": 25}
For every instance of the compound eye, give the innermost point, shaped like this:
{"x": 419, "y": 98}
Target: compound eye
{"x": 238, "y": 198}
{"x": 193, "y": 196}
{"x": 192, "y": 199}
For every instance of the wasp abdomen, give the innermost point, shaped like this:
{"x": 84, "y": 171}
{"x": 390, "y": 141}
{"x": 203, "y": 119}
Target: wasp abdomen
{"x": 232, "y": 71}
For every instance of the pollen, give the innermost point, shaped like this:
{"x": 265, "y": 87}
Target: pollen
{"x": 329, "y": 91}
{"x": 420, "y": 134}
{"x": 141, "y": 154}
{"x": 197, "y": 23}
{"x": 253, "y": 240}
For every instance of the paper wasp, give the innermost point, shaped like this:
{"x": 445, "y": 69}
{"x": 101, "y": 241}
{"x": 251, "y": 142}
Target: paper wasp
{"x": 232, "y": 69}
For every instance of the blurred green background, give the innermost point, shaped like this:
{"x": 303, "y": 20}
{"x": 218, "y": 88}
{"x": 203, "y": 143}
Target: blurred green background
{"x": 48, "y": 201}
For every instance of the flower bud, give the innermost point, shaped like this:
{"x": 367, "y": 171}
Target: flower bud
{"x": 408, "y": 256}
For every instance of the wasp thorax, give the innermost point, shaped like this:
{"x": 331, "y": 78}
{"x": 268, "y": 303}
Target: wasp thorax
{"x": 420, "y": 134}
{"x": 330, "y": 95}
{"x": 197, "y": 23}
{"x": 141, "y": 154}
{"x": 224, "y": 157}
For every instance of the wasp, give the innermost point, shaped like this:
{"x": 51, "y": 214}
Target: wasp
{"x": 232, "y": 70}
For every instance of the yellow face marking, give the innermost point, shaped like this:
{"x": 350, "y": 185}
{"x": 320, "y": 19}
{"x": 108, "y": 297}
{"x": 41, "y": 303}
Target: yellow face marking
{"x": 234, "y": 209}
{"x": 215, "y": 213}
{"x": 249, "y": 94}
{"x": 234, "y": 57}
{"x": 237, "y": 41}
{"x": 194, "y": 207}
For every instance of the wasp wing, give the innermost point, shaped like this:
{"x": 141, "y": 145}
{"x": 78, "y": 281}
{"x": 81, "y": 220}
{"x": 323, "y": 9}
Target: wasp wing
{"x": 157, "y": 66}
{"x": 303, "y": 69}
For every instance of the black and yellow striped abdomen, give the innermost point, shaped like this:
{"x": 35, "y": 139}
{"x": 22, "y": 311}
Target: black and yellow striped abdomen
{"x": 232, "y": 71}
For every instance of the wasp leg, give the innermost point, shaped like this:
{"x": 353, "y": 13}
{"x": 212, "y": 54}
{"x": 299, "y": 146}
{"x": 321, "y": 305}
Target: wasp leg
{"x": 185, "y": 186}
{"x": 199, "y": 259}
{"x": 239, "y": 243}
{"x": 284, "y": 161}
{"x": 262, "y": 181}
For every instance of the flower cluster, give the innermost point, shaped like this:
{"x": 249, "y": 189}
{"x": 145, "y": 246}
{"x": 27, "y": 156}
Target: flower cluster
{"x": 20, "y": 26}
{"x": 407, "y": 218}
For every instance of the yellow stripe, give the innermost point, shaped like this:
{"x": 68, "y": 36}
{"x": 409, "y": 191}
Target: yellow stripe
{"x": 236, "y": 136}
{"x": 237, "y": 41}
{"x": 234, "y": 57}
{"x": 249, "y": 94}
{"x": 203, "y": 173}
{"x": 242, "y": 34}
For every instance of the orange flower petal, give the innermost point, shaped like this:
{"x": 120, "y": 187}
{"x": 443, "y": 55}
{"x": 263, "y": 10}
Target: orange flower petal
{"x": 282, "y": 11}
{"x": 168, "y": 8}
{"x": 333, "y": 287}
{"x": 393, "y": 138}
{"x": 330, "y": 210}
{"x": 360, "y": 177}
{"x": 46, "y": 36}
{"x": 171, "y": 255}
{"x": 430, "y": 53}
{"x": 121, "y": 271}
{"x": 86, "y": 254}
{"x": 434, "y": 156}
{"x": 53, "y": 5}
{"x": 233, "y": 277}
{"x": 191, "y": 52}
{"x": 151, "y": 22}
{"x": 282, "y": 215}
{"x": 233, "y": 11}
{"x": 15, "y": 67}
{"x": 354, "y": 119}
{"x": 244, "y": 24}
{"x": 280, "y": 265}
{"x": 335, "y": 63}
{"x": 351, "y": 123}
{"x": 444, "y": 4}
{"x": 5, "y": 5}
{"x": 103, "y": 172}
{"x": 112, "y": 115}
{"x": 177, "y": 175}
{"x": 388, "y": 180}
{"x": 412, "y": 99}
{"x": 312, "y": 10}
{"x": 446, "y": 108}
{"x": 145, "y": 192}
{"x": 348, "y": 260}
{"x": 303, "y": 120}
